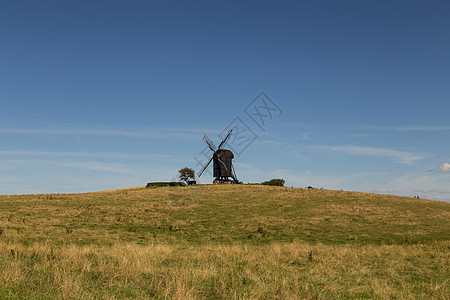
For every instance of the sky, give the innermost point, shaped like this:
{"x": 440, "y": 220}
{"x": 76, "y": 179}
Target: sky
{"x": 343, "y": 95}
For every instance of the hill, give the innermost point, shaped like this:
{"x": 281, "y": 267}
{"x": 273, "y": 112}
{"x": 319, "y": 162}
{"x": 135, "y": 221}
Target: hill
{"x": 223, "y": 241}
{"x": 223, "y": 214}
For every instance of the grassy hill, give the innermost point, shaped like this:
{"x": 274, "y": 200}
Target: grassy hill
{"x": 223, "y": 241}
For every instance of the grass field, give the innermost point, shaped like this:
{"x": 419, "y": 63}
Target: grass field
{"x": 222, "y": 241}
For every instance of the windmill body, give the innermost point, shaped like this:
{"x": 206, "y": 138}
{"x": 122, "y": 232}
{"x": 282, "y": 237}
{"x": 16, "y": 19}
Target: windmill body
{"x": 222, "y": 163}
{"x": 225, "y": 169}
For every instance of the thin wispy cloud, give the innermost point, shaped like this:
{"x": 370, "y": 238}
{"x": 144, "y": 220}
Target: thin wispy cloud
{"x": 402, "y": 128}
{"x": 31, "y": 113}
{"x": 103, "y": 155}
{"x": 403, "y": 157}
{"x": 432, "y": 191}
{"x": 96, "y": 166}
{"x": 336, "y": 127}
{"x": 135, "y": 133}
{"x": 423, "y": 128}
{"x": 430, "y": 186}
{"x": 382, "y": 191}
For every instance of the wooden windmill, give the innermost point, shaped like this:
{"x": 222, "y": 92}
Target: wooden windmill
{"x": 222, "y": 162}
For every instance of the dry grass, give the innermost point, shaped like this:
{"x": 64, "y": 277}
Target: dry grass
{"x": 278, "y": 271}
{"x": 223, "y": 242}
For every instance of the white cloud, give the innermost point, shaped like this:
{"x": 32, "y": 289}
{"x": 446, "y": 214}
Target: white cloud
{"x": 403, "y": 157}
{"x": 445, "y": 167}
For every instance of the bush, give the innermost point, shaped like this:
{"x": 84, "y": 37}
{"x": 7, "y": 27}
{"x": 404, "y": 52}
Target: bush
{"x": 160, "y": 184}
{"x": 276, "y": 182}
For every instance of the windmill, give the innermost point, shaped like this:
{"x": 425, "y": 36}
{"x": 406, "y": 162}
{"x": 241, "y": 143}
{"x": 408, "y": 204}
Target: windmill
{"x": 222, "y": 162}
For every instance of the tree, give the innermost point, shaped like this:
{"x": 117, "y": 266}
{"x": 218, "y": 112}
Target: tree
{"x": 186, "y": 174}
{"x": 276, "y": 182}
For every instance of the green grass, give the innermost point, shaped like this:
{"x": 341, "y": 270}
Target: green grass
{"x": 223, "y": 241}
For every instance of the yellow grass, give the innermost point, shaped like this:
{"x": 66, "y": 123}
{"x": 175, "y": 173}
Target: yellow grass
{"x": 278, "y": 271}
{"x": 223, "y": 242}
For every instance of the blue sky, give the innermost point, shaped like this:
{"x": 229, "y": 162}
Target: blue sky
{"x": 107, "y": 94}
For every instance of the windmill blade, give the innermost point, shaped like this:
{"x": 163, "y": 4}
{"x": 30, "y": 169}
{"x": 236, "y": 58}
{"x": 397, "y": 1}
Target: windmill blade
{"x": 234, "y": 174}
{"x": 222, "y": 163}
{"x": 205, "y": 138}
{"x": 224, "y": 140}
{"x": 206, "y": 166}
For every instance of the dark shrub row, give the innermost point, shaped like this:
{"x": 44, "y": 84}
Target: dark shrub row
{"x": 160, "y": 184}
{"x": 277, "y": 182}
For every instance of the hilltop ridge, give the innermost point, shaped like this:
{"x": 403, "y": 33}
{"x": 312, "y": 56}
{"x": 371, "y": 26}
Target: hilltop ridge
{"x": 223, "y": 214}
